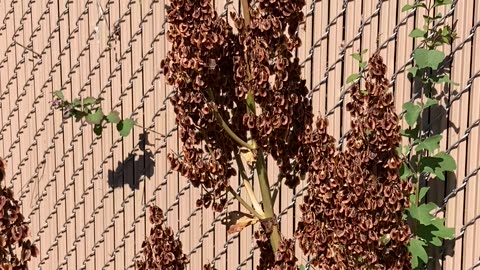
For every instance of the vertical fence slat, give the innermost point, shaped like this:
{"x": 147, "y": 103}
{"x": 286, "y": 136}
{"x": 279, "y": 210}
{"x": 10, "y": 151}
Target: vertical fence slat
{"x": 474, "y": 140}
{"x": 467, "y": 210}
{"x": 351, "y": 66}
{"x": 458, "y": 119}
{"x": 97, "y": 45}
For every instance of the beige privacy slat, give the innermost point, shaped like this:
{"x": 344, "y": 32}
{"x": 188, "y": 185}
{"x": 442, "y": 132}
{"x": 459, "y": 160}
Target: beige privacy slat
{"x": 459, "y": 116}
{"x": 474, "y": 156}
{"x": 60, "y": 170}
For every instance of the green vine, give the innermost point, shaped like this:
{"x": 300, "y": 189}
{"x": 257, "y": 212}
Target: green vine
{"x": 423, "y": 158}
{"x": 88, "y": 108}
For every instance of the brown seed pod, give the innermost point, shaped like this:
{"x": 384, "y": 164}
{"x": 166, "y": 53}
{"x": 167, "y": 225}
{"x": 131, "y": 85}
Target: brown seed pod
{"x": 362, "y": 198}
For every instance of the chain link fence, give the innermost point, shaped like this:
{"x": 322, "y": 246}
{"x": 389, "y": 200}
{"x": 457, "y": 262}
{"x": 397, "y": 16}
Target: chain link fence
{"x": 86, "y": 196}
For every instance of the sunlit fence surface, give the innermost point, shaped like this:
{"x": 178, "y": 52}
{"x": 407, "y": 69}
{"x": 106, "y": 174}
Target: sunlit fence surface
{"x": 86, "y": 196}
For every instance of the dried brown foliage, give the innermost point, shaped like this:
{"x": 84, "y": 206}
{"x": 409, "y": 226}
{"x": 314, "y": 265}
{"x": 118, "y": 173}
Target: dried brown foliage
{"x": 352, "y": 213}
{"x": 355, "y": 198}
{"x": 283, "y": 259}
{"x": 275, "y": 80}
{"x": 15, "y": 249}
{"x": 200, "y": 64}
{"x": 161, "y": 250}
{"x": 212, "y": 69}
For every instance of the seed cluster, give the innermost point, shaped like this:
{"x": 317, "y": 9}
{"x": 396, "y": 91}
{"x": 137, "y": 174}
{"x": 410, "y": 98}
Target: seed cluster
{"x": 14, "y": 231}
{"x": 352, "y": 213}
{"x": 283, "y": 259}
{"x": 213, "y": 71}
{"x": 161, "y": 250}
{"x": 268, "y": 73}
{"x": 200, "y": 68}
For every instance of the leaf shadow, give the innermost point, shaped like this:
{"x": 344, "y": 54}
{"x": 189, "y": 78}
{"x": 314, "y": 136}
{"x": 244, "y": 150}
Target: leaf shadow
{"x": 134, "y": 168}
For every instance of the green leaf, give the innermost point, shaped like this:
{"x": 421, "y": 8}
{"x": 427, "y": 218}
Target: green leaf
{"x": 357, "y": 57}
{"x": 428, "y": 20}
{"x": 416, "y": 248}
{"x": 431, "y": 143}
{"x": 113, "y": 117}
{"x": 438, "y": 164}
{"x": 412, "y": 112}
{"x": 413, "y": 71}
{"x": 442, "y": 231}
{"x": 446, "y": 39}
{"x": 89, "y": 101}
{"x": 353, "y": 77}
{"x": 405, "y": 172}
{"x": 430, "y": 102}
{"x": 97, "y": 129}
{"x": 409, "y": 7}
{"x": 442, "y": 3}
{"x": 423, "y": 192}
{"x": 425, "y": 232}
{"x": 416, "y": 33}
{"x": 411, "y": 133}
{"x": 78, "y": 115}
{"x": 413, "y": 201}
{"x": 428, "y": 58}
{"x": 445, "y": 233}
{"x": 125, "y": 126}
{"x": 436, "y": 241}
{"x": 362, "y": 65}
{"x": 422, "y": 213}
{"x": 59, "y": 95}
{"x": 445, "y": 79}
{"x": 95, "y": 118}
{"x": 301, "y": 267}
{"x": 77, "y": 102}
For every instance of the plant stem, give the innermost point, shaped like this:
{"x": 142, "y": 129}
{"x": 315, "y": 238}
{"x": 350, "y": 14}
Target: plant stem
{"x": 246, "y": 12}
{"x": 149, "y": 129}
{"x": 252, "y": 197}
{"x": 247, "y": 184}
{"x": 231, "y": 133}
{"x": 241, "y": 167}
{"x": 417, "y": 202}
{"x": 225, "y": 126}
{"x": 267, "y": 199}
{"x": 261, "y": 165}
{"x": 245, "y": 204}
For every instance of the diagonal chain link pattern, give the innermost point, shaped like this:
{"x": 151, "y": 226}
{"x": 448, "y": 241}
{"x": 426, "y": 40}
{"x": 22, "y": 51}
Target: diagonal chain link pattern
{"x": 24, "y": 64}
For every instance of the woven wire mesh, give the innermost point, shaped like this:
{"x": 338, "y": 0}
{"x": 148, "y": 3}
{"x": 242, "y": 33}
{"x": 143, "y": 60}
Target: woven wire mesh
{"x": 111, "y": 49}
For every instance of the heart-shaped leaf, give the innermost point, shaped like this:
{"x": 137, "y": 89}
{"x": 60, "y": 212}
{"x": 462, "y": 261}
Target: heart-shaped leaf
{"x": 125, "y": 127}
{"x": 95, "y": 118}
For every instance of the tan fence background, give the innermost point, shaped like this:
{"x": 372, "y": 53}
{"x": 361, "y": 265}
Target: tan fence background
{"x": 86, "y": 196}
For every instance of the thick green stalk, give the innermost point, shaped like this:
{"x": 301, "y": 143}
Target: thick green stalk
{"x": 231, "y": 133}
{"x": 226, "y": 128}
{"x": 267, "y": 199}
{"x": 261, "y": 165}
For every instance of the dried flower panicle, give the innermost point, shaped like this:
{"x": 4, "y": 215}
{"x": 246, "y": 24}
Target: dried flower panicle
{"x": 213, "y": 69}
{"x": 273, "y": 76}
{"x": 283, "y": 259}
{"x": 161, "y": 250}
{"x": 355, "y": 198}
{"x": 200, "y": 68}
{"x": 15, "y": 249}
